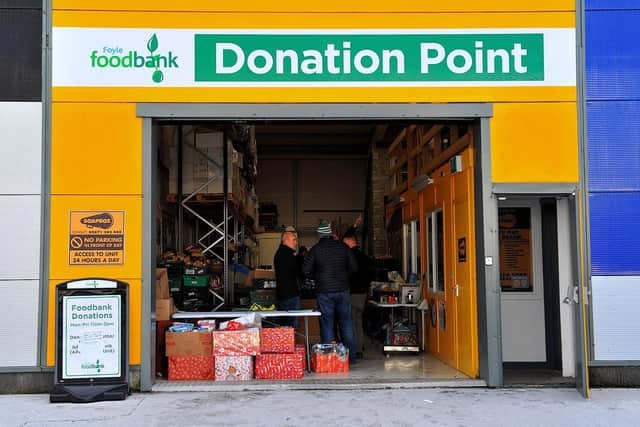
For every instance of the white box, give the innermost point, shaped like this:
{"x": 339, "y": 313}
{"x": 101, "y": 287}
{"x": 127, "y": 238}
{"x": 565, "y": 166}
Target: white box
{"x": 410, "y": 294}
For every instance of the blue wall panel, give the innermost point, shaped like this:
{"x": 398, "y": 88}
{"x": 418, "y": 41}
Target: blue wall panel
{"x": 613, "y": 55}
{"x": 615, "y": 233}
{"x": 613, "y": 134}
{"x": 613, "y": 130}
{"x": 612, "y": 4}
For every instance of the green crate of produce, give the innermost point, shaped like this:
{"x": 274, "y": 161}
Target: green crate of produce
{"x": 195, "y": 281}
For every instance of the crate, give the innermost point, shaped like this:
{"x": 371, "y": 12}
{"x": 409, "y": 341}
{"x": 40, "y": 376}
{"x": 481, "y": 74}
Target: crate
{"x": 190, "y": 270}
{"x": 195, "y": 298}
{"x": 174, "y": 269}
{"x": 264, "y": 297}
{"x": 196, "y": 281}
{"x": 175, "y": 284}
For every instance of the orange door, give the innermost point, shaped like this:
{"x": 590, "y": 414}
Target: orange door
{"x": 446, "y": 298}
{"x": 464, "y": 279}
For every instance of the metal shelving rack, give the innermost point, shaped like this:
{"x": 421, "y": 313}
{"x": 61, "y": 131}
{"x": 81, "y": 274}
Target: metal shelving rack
{"x": 216, "y": 232}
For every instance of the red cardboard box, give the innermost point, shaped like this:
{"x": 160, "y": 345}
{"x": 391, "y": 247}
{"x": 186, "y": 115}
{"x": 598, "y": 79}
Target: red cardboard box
{"x": 196, "y": 343}
{"x": 329, "y": 363}
{"x": 280, "y": 366}
{"x": 234, "y": 368}
{"x": 243, "y": 342}
{"x": 184, "y": 368}
{"x": 277, "y": 340}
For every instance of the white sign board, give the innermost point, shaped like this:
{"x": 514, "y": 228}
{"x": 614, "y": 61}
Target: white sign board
{"x": 91, "y": 336}
{"x": 159, "y": 57}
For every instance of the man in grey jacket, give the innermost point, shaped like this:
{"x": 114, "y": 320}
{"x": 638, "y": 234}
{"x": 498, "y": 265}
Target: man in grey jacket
{"x": 329, "y": 263}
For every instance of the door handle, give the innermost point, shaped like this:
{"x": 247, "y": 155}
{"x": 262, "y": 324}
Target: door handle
{"x": 572, "y": 295}
{"x": 456, "y": 289}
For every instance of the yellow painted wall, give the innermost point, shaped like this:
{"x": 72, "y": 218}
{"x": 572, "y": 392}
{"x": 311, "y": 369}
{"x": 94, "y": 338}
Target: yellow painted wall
{"x": 96, "y": 165}
{"x": 328, "y": 6}
{"x": 95, "y": 130}
{"x": 534, "y": 142}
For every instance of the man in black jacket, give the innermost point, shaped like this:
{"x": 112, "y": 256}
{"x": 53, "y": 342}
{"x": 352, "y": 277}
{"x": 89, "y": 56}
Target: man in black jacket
{"x": 359, "y": 281}
{"x": 329, "y": 263}
{"x": 287, "y": 269}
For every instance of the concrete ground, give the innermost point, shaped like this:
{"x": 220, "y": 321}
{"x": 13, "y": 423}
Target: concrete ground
{"x": 442, "y": 407}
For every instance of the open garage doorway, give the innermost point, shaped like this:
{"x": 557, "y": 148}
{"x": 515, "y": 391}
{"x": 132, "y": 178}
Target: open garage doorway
{"x": 357, "y": 116}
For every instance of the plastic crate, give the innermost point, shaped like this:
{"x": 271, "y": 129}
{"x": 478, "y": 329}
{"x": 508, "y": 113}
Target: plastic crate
{"x": 174, "y": 269}
{"x": 195, "y": 281}
{"x": 264, "y": 297}
{"x": 190, "y": 270}
{"x": 175, "y": 284}
{"x": 195, "y": 299}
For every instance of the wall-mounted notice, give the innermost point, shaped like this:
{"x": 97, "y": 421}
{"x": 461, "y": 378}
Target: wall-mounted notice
{"x": 516, "y": 263}
{"x": 96, "y": 238}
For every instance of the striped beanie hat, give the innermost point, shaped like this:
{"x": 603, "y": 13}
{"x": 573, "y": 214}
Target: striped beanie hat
{"x": 324, "y": 229}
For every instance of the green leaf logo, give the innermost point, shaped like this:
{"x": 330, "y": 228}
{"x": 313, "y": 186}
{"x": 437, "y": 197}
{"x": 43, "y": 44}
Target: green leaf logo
{"x": 152, "y": 44}
{"x": 157, "y": 76}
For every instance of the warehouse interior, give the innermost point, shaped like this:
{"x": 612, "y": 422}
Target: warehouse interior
{"x": 283, "y": 174}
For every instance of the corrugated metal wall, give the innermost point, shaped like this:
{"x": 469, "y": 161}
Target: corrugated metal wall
{"x": 613, "y": 114}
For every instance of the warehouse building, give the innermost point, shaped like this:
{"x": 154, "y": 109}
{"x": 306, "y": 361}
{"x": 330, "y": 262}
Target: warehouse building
{"x": 459, "y": 132}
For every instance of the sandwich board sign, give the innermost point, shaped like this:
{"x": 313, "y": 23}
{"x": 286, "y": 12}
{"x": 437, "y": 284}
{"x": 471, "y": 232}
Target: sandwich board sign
{"x": 92, "y": 338}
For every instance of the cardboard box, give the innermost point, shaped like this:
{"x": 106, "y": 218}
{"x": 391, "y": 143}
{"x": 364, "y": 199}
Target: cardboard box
{"x": 196, "y": 343}
{"x": 164, "y": 309}
{"x": 244, "y": 342}
{"x": 190, "y": 368}
{"x": 277, "y": 340}
{"x": 234, "y": 368}
{"x": 264, "y": 274}
{"x": 280, "y": 366}
{"x": 162, "y": 284}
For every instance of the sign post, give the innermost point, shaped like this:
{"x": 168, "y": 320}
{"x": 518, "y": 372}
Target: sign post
{"x": 91, "y": 341}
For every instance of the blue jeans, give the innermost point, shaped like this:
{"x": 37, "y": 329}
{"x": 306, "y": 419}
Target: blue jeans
{"x": 337, "y": 306}
{"x": 289, "y": 304}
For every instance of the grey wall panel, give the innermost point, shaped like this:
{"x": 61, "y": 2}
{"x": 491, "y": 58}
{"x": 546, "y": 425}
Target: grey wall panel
{"x": 616, "y": 317}
{"x": 337, "y": 185}
{"x": 20, "y": 4}
{"x": 20, "y": 52}
{"x": 18, "y": 323}
{"x": 20, "y": 147}
{"x": 307, "y": 190}
{"x": 275, "y": 184}
{"x": 20, "y": 231}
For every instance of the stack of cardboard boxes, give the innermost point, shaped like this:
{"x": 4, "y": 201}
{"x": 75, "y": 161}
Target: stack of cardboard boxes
{"x": 164, "y": 303}
{"x": 279, "y": 357}
{"x": 228, "y": 355}
{"x": 234, "y": 351}
{"x": 190, "y": 355}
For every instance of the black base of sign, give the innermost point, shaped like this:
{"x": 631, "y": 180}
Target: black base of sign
{"x": 88, "y": 393}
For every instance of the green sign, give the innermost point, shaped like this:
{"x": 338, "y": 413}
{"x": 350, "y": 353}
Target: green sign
{"x": 368, "y": 57}
{"x": 117, "y": 57}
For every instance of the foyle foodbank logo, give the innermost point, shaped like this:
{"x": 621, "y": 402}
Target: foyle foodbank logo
{"x": 116, "y": 57}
